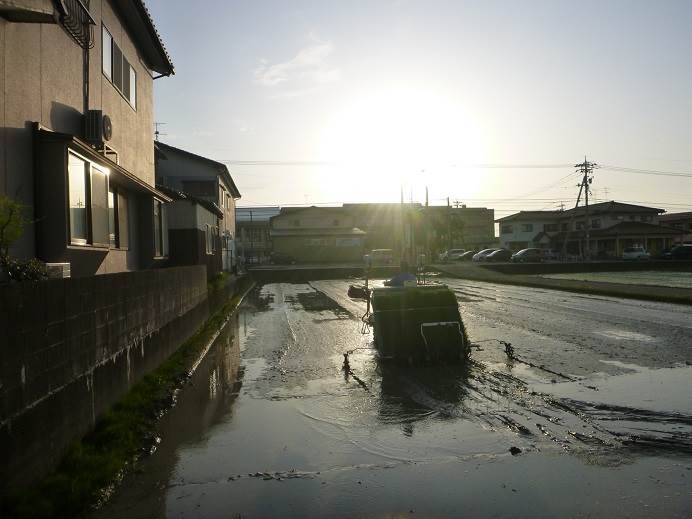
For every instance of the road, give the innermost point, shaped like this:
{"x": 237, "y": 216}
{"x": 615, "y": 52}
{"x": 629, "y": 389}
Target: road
{"x": 591, "y": 418}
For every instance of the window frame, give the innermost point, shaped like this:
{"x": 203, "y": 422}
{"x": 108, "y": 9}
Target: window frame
{"x": 89, "y": 168}
{"x": 131, "y": 97}
{"x": 160, "y": 242}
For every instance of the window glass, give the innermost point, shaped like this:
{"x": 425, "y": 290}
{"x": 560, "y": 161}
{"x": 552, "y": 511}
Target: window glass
{"x": 126, "y": 79}
{"x": 99, "y": 207}
{"x": 112, "y": 221}
{"x": 117, "y": 67}
{"x": 133, "y": 88}
{"x": 158, "y": 245}
{"x": 123, "y": 222}
{"x": 208, "y": 238}
{"x": 77, "y": 200}
{"x": 106, "y": 50}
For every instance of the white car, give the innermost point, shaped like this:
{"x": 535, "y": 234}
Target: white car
{"x": 635, "y": 253}
{"x": 482, "y": 255}
{"x": 452, "y": 254}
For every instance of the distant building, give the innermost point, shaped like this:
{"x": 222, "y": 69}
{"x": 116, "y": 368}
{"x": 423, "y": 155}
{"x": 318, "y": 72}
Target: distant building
{"x": 77, "y": 96}
{"x": 317, "y": 235}
{"x": 612, "y": 227}
{"x": 384, "y": 224}
{"x": 254, "y": 243}
{"x": 680, "y": 221}
{"x": 211, "y": 227}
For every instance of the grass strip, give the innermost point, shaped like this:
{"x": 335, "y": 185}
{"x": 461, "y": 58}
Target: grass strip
{"x": 93, "y": 466}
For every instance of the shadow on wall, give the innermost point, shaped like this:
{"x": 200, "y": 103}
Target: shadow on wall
{"x": 17, "y": 180}
{"x": 66, "y": 119}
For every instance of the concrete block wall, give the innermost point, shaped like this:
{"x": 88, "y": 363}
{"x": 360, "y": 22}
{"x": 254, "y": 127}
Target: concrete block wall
{"x": 71, "y": 348}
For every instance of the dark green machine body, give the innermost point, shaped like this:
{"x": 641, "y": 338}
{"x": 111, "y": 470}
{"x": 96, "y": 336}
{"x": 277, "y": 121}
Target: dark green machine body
{"x": 418, "y": 324}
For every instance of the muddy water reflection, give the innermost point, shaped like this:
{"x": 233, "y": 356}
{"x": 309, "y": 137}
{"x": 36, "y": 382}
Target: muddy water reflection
{"x": 206, "y": 400}
{"x": 270, "y": 426}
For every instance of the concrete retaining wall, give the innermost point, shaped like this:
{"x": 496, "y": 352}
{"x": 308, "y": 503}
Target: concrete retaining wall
{"x": 71, "y": 348}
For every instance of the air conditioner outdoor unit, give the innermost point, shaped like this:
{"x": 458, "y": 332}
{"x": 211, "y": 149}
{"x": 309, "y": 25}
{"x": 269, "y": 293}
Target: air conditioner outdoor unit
{"x": 97, "y": 127}
{"x": 58, "y": 270}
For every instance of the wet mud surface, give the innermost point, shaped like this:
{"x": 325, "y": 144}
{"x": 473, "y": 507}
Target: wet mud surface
{"x": 592, "y": 416}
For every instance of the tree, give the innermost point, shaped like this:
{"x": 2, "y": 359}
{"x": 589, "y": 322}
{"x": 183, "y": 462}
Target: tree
{"x": 12, "y": 222}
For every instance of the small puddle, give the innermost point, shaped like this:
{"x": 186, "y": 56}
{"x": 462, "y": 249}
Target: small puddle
{"x": 625, "y": 335}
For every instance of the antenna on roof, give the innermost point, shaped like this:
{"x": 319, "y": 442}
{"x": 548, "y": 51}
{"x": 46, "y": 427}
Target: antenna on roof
{"x": 157, "y": 133}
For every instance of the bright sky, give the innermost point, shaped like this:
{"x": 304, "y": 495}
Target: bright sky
{"x": 369, "y": 95}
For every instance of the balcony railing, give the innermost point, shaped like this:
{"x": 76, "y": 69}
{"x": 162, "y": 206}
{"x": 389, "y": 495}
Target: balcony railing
{"x": 75, "y": 17}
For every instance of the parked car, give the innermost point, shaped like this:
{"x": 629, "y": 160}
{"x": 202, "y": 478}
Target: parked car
{"x": 499, "y": 255}
{"x": 480, "y": 256}
{"x": 681, "y": 252}
{"x": 635, "y": 253}
{"x": 452, "y": 254}
{"x": 527, "y": 256}
{"x": 467, "y": 256}
{"x": 281, "y": 258}
{"x": 380, "y": 257}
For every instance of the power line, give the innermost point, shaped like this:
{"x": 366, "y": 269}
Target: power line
{"x": 622, "y": 169}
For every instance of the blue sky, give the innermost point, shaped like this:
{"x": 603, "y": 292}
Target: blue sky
{"x": 384, "y": 93}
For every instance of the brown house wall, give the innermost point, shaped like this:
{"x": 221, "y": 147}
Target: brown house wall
{"x": 297, "y": 248}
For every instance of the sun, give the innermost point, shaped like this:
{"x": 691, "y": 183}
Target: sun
{"x": 403, "y": 136}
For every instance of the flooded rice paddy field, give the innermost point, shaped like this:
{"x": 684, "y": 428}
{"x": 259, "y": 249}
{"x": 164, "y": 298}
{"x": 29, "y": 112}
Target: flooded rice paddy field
{"x": 593, "y": 417}
{"x": 655, "y": 278}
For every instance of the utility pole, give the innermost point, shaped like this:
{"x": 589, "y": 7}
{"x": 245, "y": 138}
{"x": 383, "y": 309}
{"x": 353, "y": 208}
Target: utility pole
{"x": 586, "y": 169}
{"x": 449, "y": 226}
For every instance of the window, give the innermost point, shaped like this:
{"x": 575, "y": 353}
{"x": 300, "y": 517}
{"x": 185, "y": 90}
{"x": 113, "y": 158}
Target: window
{"x": 99, "y": 207}
{"x": 117, "y": 68}
{"x": 160, "y": 230}
{"x": 527, "y": 227}
{"x": 106, "y": 53}
{"x": 112, "y": 221}
{"x": 580, "y": 226}
{"x": 117, "y": 219}
{"x": 123, "y": 221}
{"x": 596, "y": 223}
{"x": 77, "y": 200}
{"x": 506, "y": 229}
{"x": 87, "y": 202}
{"x": 551, "y": 227}
{"x": 643, "y": 218}
{"x": 565, "y": 226}
{"x": 208, "y": 238}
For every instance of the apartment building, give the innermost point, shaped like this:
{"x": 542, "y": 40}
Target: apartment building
{"x": 76, "y": 114}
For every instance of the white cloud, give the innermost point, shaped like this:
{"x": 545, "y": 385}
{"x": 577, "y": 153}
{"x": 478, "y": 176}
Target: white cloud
{"x": 305, "y": 70}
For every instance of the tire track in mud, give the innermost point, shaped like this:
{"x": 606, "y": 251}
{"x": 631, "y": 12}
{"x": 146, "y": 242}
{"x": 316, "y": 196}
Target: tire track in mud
{"x": 501, "y": 401}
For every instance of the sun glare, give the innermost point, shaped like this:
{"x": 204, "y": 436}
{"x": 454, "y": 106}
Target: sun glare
{"x": 404, "y": 137}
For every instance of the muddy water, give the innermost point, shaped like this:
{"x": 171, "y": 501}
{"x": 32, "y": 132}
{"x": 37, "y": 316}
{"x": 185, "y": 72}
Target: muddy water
{"x": 271, "y": 426}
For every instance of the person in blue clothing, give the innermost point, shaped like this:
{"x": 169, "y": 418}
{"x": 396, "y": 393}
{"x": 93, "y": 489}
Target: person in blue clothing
{"x": 403, "y": 276}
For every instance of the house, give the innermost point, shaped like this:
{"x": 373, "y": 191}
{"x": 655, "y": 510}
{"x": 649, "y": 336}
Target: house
{"x": 253, "y": 233}
{"x": 680, "y": 221}
{"x": 206, "y": 233}
{"x": 77, "y": 118}
{"x": 611, "y": 227}
{"x": 528, "y": 229}
{"x": 385, "y": 224}
{"x": 317, "y": 235}
{"x": 192, "y": 224}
